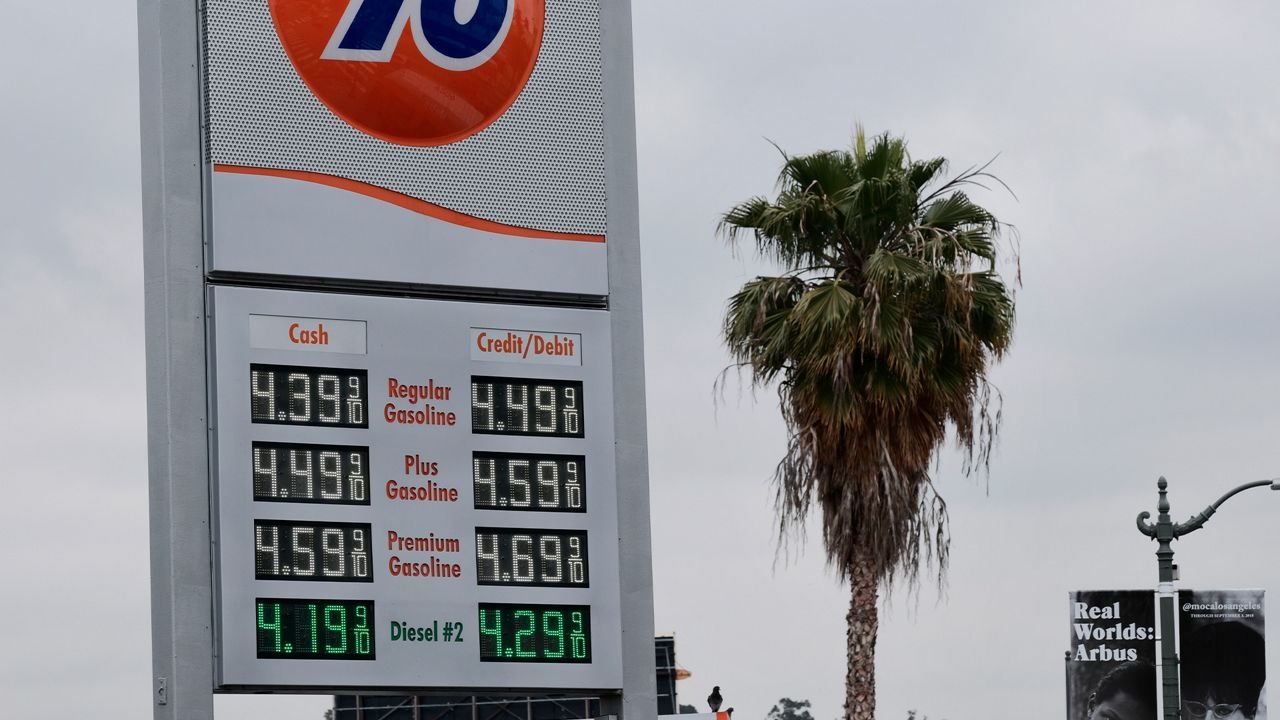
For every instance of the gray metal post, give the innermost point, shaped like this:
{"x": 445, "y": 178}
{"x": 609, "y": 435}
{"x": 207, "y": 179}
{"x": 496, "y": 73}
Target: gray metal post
{"x": 177, "y": 417}
{"x": 1066, "y": 673}
{"x": 639, "y": 700}
{"x": 1167, "y": 594}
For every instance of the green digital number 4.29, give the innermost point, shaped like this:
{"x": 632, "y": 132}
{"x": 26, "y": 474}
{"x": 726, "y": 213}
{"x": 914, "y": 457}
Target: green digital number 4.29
{"x": 540, "y": 633}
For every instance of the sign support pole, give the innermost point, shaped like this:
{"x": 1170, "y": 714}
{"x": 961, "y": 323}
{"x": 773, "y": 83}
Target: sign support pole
{"x": 639, "y": 700}
{"x": 177, "y": 408}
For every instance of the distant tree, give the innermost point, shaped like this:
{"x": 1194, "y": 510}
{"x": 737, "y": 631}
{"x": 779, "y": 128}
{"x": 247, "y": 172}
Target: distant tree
{"x": 788, "y": 709}
{"x": 688, "y": 710}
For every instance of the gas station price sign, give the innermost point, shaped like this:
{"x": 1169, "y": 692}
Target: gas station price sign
{"x": 394, "y": 376}
{"x": 413, "y": 515}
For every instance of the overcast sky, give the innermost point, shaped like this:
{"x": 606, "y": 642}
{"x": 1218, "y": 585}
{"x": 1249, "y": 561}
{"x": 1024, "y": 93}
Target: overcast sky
{"x": 1141, "y": 139}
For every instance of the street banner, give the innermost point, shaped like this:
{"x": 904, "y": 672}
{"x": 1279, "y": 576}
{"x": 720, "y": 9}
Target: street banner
{"x": 1222, "y": 654}
{"x": 1111, "y": 670}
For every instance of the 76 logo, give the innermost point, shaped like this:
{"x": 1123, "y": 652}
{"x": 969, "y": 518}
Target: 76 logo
{"x": 452, "y": 34}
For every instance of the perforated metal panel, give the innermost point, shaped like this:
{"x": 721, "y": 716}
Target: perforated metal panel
{"x": 539, "y": 166}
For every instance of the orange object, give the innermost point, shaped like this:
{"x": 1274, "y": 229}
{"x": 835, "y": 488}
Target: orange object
{"x": 406, "y": 91}
{"x": 409, "y": 203}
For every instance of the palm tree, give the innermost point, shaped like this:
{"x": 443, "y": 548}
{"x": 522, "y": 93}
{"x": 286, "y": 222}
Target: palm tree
{"x": 878, "y": 332}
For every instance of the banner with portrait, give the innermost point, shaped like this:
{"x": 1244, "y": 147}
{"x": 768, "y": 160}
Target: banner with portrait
{"x": 1222, "y": 657}
{"x": 1111, "y": 671}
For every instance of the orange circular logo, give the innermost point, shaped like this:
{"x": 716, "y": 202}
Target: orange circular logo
{"x": 413, "y": 72}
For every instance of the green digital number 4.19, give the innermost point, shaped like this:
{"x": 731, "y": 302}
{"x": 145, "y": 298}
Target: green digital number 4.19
{"x": 293, "y": 628}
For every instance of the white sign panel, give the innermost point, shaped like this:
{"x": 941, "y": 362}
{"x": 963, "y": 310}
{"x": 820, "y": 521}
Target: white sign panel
{"x": 414, "y": 516}
{"x": 331, "y": 159}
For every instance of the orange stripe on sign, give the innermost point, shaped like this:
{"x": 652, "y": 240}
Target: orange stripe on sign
{"x": 408, "y": 203}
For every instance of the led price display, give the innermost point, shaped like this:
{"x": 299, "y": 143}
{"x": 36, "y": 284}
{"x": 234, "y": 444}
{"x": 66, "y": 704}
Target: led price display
{"x": 308, "y": 396}
{"x": 535, "y": 633}
{"x": 315, "y": 629}
{"x": 507, "y": 556}
{"x": 526, "y": 406}
{"x": 334, "y": 474}
{"x": 287, "y": 550}
{"x": 523, "y": 481}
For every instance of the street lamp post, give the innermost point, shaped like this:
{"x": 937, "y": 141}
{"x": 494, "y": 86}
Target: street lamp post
{"x": 1164, "y": 531}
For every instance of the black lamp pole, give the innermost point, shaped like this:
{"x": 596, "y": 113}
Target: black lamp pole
{"x": 1164, "y": 531}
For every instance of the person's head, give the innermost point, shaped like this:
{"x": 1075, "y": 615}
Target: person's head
{"x": 1223, "y": 670}
{"x": 1127, "y": 692}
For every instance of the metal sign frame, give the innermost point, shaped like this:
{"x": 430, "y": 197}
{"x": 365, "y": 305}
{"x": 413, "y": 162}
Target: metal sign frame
{"x": 175, "y": 182}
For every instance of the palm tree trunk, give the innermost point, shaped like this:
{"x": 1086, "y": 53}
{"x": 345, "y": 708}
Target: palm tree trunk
{"x": 864, "y": 622}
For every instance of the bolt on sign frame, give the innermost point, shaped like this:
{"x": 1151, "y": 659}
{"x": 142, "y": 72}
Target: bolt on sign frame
{"x": 395, "y": 397}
